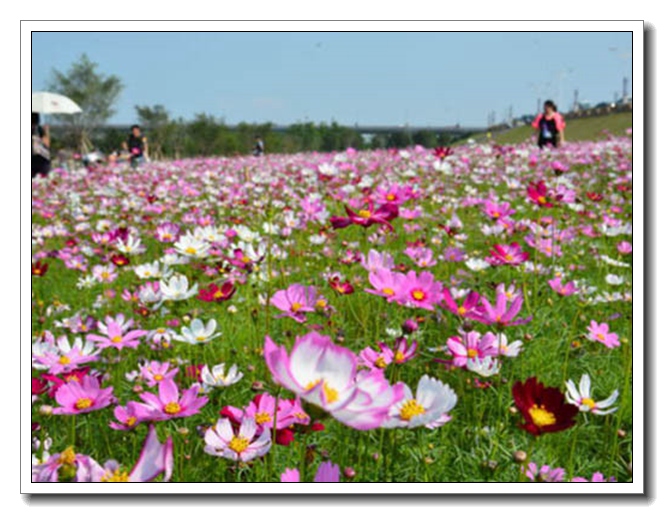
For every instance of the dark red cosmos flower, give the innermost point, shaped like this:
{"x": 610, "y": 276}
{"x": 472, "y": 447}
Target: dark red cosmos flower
{"x": 543, "y": 408}
{"x": 39, "y": 268}
{"x": 214, "y": 293}
{"x": 442, "y": 151}
{"x": 119, "y": 260}
{"x": 341, "y": 288}
{"x": 39, "y": 386}
{"x": 595, "y": 197}
{"x": 538, "y": 194}
{"x": 367, "y": 217}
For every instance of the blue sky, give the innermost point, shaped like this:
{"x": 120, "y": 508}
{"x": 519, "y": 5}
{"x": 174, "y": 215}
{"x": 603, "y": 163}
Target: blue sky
{"x": 384, "y": 78}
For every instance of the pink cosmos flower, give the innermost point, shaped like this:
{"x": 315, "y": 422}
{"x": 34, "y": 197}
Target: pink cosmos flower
{"x": 375, "y": 261}
{"x": 511, "y": 255}
{"x": 62, "y": 357}
{"x": 404, "y": 351}
{"x": 539, "y": 194}
{"x": 262, "y": 410}
{"x": 327, "y": 472}
{"x": 597, "y": 477}
{"x": 503, "y": 314}
{"x": 243, "y": 445}
{"x": 421, "y": 291}
{"x": 376, "y": 359}
{"x": 155, "y": 371}
{"x": 544, "y": 474}
{"x": 105, "y": 273}
{"x": 168, "y": 404}
{"x": 472, "y": 345}
{"x": 167, "y": 232}
{"x": 422, "y": 257}
{"x": 85, "y": 396}
{"x": 624, "y": 247}
{"x": 394, "y": 194}
{"x": 115, "y": 336}
{"x": 128, "y": 417}
{"x": 563, "y": 290}
{"x": 325, "y": 375}
{"x": 64, "y": 466}
{"x": 497, "y": 210}
{"x": 295, "y": 301}
{"x": 386, "y": 283}
{"x": 600, "y": 333}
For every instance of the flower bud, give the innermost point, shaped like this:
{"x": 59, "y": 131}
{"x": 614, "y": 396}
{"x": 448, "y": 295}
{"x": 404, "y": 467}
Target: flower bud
{"x": 349, "y": 472}
{"x": 46, "y": 410}
{"x": 409, "y": 326}
{"x": 520, "y": 456}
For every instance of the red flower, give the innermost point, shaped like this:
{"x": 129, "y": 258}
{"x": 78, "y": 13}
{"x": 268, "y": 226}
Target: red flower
{"x": 543, "y": 408}
{"x": 341, "y": 288}
{"x": 39, "y": 268}
{"x": 217, "y": 294}
{"x": 119, "y": 260}
{"x": 442, "y": 151}
{"x": 595, "y": 197}
{"x": 538, "y": 194}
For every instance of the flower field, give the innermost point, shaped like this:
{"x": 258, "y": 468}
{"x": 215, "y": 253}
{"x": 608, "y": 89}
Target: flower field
{"x": 420, "y": 315}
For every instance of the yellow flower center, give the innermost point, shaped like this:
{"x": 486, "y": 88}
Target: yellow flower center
{"x": 131, "y": 421}
{"x": 541, "y": 199}
{"x": 245, "y": 259}
{"x": 399, "y": 357}
{"x": 190, "y": 250}
{"x": 147, "y": 274}
{"x": 462, "y": 311}
{"x": 167, "y": 237}
{"x": 600, "y": 337}
{"x": 390, "y": 197}
{"x": 200, "y": 338}
{"x": 83, "y": 403}
{"x": 388, "y": 291}
{"x": 104, "y": 274}
{"x": 541, "y": 417}
{"x": 116, "y": 476}
{"x": 158, "y": 377}
{"x": 116, "y": 339}
{"x": 321, "y": 304}
{"x": 84, "y": 328}
{"x": 217, "y": 294}
{"x": 411, "y": 409}
{"x": 331, "y": 394}
{"x": 418, "y": 295}
{"x": 509, "y": 258}
{"x": 588, "y": 402}
{"x": 296, "y": 306}
{"x": 364, "y": 214}
{"x": 472, "y": 353}
{"x": 67, "y": 457}
{"x": 172, "y": 408}
{"x": 380, "y": 362}
{"x": 262, "y": 417}
{"x": 64, "y": 360}
{"x": 238, "y": 444}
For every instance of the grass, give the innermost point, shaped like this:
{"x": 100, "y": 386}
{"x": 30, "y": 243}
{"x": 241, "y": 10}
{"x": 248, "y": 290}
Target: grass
{"x": 477, "y": 445}
{"x": 581, "y": 129}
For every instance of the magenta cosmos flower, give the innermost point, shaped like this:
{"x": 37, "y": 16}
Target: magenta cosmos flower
{"x": 562, "y": 289}
{"x": 85, "y": 396}
{"x": 600, "y": 333}
{"x": 155, "y": 372}
{"x": 367, "y": 217}
{"x": 497, "y": 210}
{"x": 168, "y": 404}
{"x": 544, "y": 474}
{"x": 505, "y": 311}
{"x": 511, "y": 255}
{"x": 245, "y": 445}
{"x": 469, "y": 303}
{"x": 385, "y": 283}
{"x": 421, "y": 291}
{"x": 295, "y": 301}
{"x": 325, "y": 375}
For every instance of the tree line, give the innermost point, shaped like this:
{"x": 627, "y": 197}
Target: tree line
{"x": 205, "y": 134}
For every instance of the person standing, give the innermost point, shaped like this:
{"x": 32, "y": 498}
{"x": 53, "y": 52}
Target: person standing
{"x": 137, "y": 146}
{"x": 41, "y": 148}
{"x": 551, "y": 126}
{"x": 259, "y": 146}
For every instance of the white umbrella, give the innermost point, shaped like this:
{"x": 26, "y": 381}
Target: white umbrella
{"x": 52, "y": 103}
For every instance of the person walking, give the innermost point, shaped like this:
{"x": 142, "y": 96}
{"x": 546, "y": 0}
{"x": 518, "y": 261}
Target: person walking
{"x": 41, "y": 148}
{"x": 551, "y": 126}
{"x": 259, "y": 147}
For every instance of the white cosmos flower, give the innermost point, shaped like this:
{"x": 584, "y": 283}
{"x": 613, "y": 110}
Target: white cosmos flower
{"x": 198, "y": 332}
{"x": 151, "y": 270}
{"x": 583, "y": 400}
{"x": 218, "y": 378}
{"x": 172, "y": 259}
{"x": 508, "y": 350}
{"x": 192, "y": 246}
{"x": 246, "y": 234}
{"x": 477, "y": 264}
{"x": 613, "y": 262}
{"x": 131, "y": 247}
{"x": 429, "y": 407}
{"x": 488, "y": 366}
{"x": 614, "y": 280}
{"x": 177, "y": 288}
{"x": 86, "y": 282}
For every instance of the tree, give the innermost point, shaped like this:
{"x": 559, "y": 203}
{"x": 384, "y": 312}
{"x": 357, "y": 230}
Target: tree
{"x": 156, "y": 121}
{"x": 95, "y": 93}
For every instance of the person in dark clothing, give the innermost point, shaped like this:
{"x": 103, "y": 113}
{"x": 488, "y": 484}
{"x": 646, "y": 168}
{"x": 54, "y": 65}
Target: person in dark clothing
{"x": 551, "y": 126}
{"x": 259, "y": 147}
{"x": 41, "y": 148}
{"x": 137, "y": 146}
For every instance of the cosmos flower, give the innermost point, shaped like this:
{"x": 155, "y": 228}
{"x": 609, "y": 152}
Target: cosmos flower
{"x": 421, "y": 291}
{"x": 326, "y": 472}
{"x": 600, "y": 333}
{"x": 177, "y": 288}
{"x": 367, "y": 217}
{"x": 198, "y": 332}
{"x": 295, "y": 301}
{"x": 511, "y": 255}
{"x": 63, "y": 357}
{"x": 217, "y": 376}
{"x": 85, "y": 396}
{"x": 168, "y": 404}
{"x": 217, "y": 294}
{"x": 429, "y": 407}
{"x": 544, "y": 473}
{"x": 470, "y": 346}
{"x": 154, "y": 372}
{"x": 582, "y": 398}
{"x": 241, "y": 445}
{"x": 543, "y": 408}
{"x": 563, "y": 289}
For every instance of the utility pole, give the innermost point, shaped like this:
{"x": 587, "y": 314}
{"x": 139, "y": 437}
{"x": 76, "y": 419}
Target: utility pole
{"x": 575, "y": 107}
{"x": 625, "y": 96}
{"x": 510, "y": 116}
{"x": 539, "y": 105}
